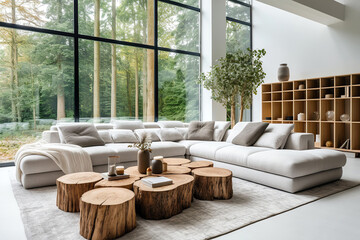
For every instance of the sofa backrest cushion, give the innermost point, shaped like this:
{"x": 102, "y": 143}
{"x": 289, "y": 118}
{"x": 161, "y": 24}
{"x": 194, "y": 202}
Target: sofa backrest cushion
{"x": 170, "y": 124}
{"x": 82, "y": 134}
{"x": 130, "y": 125}
{"x": 235, "y": 131}
{"x": 275, "y": 136}
{"x": 169, "y": 134}
{"x": 201, "y": 130}
{"x": 123, "y": 136}
{"x": 220, "y": 129}
{"x": 151, "y": 125}
{"x": 250, "y": 134}
{"x": 105, "y": 136}
{"x": 183, "y": 131}
{"x": 152, "y": 132}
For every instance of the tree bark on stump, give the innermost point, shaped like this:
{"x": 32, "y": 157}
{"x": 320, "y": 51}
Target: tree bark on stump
{"x": 212, "y": 183}
{"x": 107, "y": 213}
{"x": 70, "y": 187}
{"x": 164, "y": 202}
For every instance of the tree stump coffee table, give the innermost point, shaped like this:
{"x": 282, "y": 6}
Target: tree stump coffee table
{"x": 124, "y": 183}
{"x": 176, "y": 161}
{"x": 107, "y": 213}
{"x": 198, "y": 164}
{"x": 164, "y": 202}
{"x": 70, "y": 187}
{"x": 212, "y": 183}
{"x": 133, "y": 171}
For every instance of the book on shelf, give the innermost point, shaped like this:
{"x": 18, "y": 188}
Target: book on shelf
{"x": 157, "y": 181}
{"x": 115, "y": 177}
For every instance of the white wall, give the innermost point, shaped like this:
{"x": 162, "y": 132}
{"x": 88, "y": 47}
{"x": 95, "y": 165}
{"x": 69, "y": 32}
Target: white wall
{"x": 310, "y": 49}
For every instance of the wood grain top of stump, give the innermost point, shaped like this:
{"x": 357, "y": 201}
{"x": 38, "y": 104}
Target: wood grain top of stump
{"x": 177, "y": 170}
{"x": 176, "y": 161}
{"x": 80, "y": 178}
{"x": 133, "y": 171}
{"x": 107, "y": 196}
{"x": 212, "y": 172}
{"x": 198, "y": 164}
{"x": 124, "y": 183}
{"x": 178, "y": 180}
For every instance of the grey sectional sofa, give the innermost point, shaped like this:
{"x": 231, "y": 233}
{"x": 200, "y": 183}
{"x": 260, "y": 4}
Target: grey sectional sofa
{"x": 296, "y": 167}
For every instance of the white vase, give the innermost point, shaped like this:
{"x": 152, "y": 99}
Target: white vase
{"x": 301, "y": 117}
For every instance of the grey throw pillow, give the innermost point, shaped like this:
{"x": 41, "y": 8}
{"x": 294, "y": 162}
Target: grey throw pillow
{"x": 201, "y": 130}
{"x": 82, "y": 134}
{"x": 250, "y": 134}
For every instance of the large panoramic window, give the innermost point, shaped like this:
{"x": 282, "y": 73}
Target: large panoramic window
{"x": 238, "y": 35}
{"x": 95, "y": 61}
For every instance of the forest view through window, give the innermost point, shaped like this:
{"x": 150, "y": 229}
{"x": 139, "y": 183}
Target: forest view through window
{"x": 93, "y": 61}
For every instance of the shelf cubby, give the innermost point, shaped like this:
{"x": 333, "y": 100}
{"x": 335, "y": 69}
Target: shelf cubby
{"x": 277, "y": 96}
{"x": 287, "y": 86}
{"x": 355, "y": 139}
{"x": 327, "y": 82}
{"x": 314, "y": 128}
{"x": 342, "y": 106}
{"x": 355, "y": 113}
{"x": 287, "y": 96}
{"x": 266, "y": 110}
{"x": 355, "y": 79}
{"x": 355, "y": 91}
{"x": 342, "y": 80}
{"x": 299, "y": 107}
{"x": 327, "y": 91}
{"x": 342, "y": 133}
{"x": 298, "y": 95}
{"x": 266, "y": 88}
{"x": 326, "y": 105}
{"x": 298, "y": 83}
{"x": 266, "y": 97}
{"x": 339, "y": 91}
{"x": 326, "y": 133}
{"x": 276, "y": 87}
{"x": 287, "y": 110}
{"x": 276, "y": 110}
{"x": 312, "y": 107}
{"x": 313, "y": 94}
{"x": 299, "y": 127}
{"x": 313, "y": 83}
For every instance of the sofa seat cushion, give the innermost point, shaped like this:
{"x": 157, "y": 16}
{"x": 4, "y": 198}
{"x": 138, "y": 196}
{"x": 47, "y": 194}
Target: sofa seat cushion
{"x": 38, "y": 164}
{"x": 167, "y": 149}
{"x": 236, "y": 154}
{"x": 207, "y": 149}
{"x": 99, "y": 154}
{"x": 126, "y": 153}
{"x": 293, "y": 163}
{"x": 188, "y": 143}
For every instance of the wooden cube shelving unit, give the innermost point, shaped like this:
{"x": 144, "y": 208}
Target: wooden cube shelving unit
{"x": 283, "y": 100}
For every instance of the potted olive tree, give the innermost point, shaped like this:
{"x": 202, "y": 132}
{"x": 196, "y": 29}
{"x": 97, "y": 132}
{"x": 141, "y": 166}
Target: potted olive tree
{"x": 236, "y": 74}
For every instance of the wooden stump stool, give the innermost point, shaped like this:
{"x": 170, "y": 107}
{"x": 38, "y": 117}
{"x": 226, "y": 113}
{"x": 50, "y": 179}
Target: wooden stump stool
{"x": 124, "y": 183}
{"x": 212, "y": 183}
{"x": 176, "y": 161}
{"x": 198, "y": 164}
{"x": 164, "y": 202}
{"x": 70, "y": 187}
{"x": 107, "y": 213}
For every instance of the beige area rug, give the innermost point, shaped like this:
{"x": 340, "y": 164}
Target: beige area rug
{"x": 203, "y": 220}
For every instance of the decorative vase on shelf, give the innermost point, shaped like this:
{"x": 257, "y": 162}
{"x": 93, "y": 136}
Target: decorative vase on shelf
{"x": 143, "y": 161}
{"x": 316, "y": 115}
{"x": 330, "y": 115}
{"x": 283, "y": 73}
{"x": 301, "y": 117}
{"x": 345, "y": 117}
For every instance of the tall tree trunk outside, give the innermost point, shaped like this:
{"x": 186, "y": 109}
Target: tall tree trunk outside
{"x": 150, "y": 64}
{"x": 113, "y": 60}
{"x": 60, "y": 83}
{"x": 34, "y": 90}
{"x": 15, "y": 106}
{"x": 144, "y": 62}
{"x": 241, "y": 109}
{"x": 128, "y": 92}
{"x": 233, "y": 104}
{"x": 96, "y": 103}
{"x": 136, "y": 85}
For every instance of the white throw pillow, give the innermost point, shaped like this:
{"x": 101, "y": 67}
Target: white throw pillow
{"x": 183, "y": 131}
{"x": 235, "y": 131}
{"x": 125, "y": 124}
{"x": 105, "y": 135}
{"x": 169, "y": 134}
{"x": 220, "y": 128}
{"x": 275, "y": 136}
{"x": 170, "y": 124}
{"x": 123, "y": 136}
{"x": 150, "y": 131}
